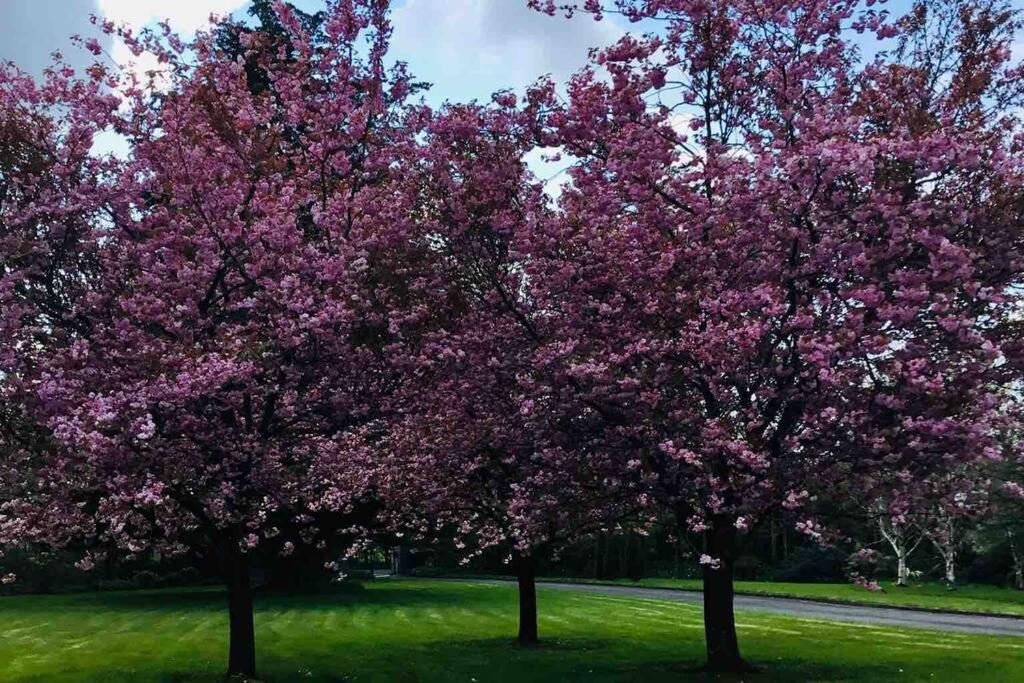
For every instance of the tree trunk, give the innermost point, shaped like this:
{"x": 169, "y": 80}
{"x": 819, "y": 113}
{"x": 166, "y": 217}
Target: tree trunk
{"x": 634, "y": 565}
{"x": 642, "y": 556}
{"x": 902, "y": 570}
{"x": 600, "y": 562}
{"x": 623, "y": 570}
{"x": 242, "y": 650}
{"x": 526, "y": 574}
{"x": 401, "y": 560}
{"x": 723, "y": 648}
{"x": 1018, "y": 561}
{"x": 678, "y": 552}
{"x": 950, "y": 570}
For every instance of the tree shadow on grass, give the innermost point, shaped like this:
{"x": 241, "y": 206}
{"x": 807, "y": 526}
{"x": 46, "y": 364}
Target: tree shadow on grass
{"x": 501, "y": 660}
{"x": 213, "y": 598}
{"x": 546, "y": 645}
{"x": 110, "y": 601}
{"x": 396, "y": 595}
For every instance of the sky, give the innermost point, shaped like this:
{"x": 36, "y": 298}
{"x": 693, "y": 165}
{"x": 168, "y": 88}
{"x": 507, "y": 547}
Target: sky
{"x": 466, "y": 48}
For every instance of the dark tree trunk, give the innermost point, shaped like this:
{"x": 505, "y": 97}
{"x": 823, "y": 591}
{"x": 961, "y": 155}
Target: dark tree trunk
{"x": 643, "y": 556}
{"x": 774, "y": 541}
{"x": 111, "y": 564}
{"x": 242, "y": 650}
{"x": 526, "y": 574}
{"x": 401, "y": 560}
{"x": 634, "y": 565}
{"x": 623, "y": 569}
{"x": 676, "y": 552}
{"x": 723, "y": 649}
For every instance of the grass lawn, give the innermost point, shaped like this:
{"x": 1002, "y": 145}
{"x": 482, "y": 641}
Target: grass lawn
{"x": 971, "y": 598}
{"x": 419, "y": 631}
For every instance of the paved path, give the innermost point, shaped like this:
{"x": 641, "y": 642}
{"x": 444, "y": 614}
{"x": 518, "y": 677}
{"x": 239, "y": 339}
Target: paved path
{"x": 810, "y": 609}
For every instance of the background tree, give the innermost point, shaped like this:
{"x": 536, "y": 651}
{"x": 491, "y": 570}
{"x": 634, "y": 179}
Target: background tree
{"x": 1005, "y": 524}
{"x": 950, "y": 511}
{"x": 52, "y": 200}
{"x": 901, "y": 534}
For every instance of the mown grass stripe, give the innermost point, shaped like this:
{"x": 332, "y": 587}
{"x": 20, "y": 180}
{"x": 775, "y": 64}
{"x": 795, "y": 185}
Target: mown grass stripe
{"x": 431, "y": 632}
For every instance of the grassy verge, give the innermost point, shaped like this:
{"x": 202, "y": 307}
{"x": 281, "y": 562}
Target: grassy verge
{"x": 932, "y": 596}
{"x": 968, "y": 599}
{"x": 426, "y": 631}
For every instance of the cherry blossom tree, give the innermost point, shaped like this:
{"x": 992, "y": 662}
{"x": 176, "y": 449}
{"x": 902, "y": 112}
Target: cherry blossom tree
{"x": 472, "y": 456}
{"x": 206, "y": 326}
{"x": 50, "y": 191}
{"x": 783, "y": 266}
{"x": 780, "y": 269}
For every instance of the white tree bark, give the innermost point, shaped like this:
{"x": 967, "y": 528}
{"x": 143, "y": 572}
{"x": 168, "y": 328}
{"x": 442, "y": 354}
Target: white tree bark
{"x": 946, "y": 543}
{"x": 1018, "y": 560}
{"x": 899, "y": 539}
{"x": 951, "y": 569}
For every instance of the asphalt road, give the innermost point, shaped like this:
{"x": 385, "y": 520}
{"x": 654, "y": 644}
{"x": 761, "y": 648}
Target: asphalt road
{"x": 809, "y": 609}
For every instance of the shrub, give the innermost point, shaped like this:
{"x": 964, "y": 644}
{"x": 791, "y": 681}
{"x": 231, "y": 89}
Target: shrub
{"x": 147, "y": 579}
{"x": 115, "y": 584}
{"x": 812, "y": 563}
{"x": 748, "y": 568}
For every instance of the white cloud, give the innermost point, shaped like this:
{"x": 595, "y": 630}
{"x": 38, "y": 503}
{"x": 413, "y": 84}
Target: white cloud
{"x": 680, "y": 122}
{"x": 144, "y": 66}
{"x": 473, "y": 47}
{"x": 108, "y": 142}
{"x": 552, "y": 173}
{"x": 184, "y": 16}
